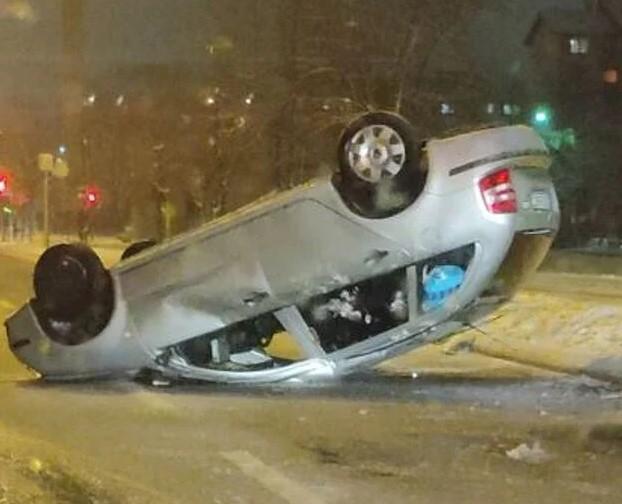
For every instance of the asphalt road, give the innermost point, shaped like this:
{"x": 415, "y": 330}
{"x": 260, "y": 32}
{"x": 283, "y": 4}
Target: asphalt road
{"x": 372, "y": 438}
{"x": 15, "y": 288}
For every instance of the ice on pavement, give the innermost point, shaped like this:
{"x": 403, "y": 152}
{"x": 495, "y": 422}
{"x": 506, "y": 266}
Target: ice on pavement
{"x": 533, "y": 454}
{"x": 588, "y": 325}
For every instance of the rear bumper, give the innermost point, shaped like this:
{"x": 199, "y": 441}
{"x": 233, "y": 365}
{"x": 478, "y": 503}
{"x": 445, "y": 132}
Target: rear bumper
{"x": 525, "y": 255}
{"x": 523, "y": 258}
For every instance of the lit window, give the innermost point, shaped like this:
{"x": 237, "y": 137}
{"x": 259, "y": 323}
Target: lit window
{"x": 491, "y": 108}
{"x": 447, "y": 109}
{"x": 578, "y": 45}
{"x": 510, "y": 109}
{"x": 611, "y": 76}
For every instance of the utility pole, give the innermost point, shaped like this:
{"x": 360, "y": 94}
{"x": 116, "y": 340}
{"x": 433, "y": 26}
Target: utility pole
{"x": 46, "y": 209}
{"x": 46, "y": 166}
{"x": 72, "y": 85}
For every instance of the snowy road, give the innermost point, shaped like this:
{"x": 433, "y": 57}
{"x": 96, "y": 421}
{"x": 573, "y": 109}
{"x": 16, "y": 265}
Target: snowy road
{"x": 373, "y": 438}
{"x": 379, "y": 440}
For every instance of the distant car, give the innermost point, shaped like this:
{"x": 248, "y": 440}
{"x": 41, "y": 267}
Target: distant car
{"x": 406, "y": 244}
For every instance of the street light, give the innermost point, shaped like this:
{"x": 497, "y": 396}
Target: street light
{"x": 89, "y": 101}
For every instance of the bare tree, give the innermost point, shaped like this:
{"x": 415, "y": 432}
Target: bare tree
{"x": 282, "y": 79}
{"x": 368, "y": 55}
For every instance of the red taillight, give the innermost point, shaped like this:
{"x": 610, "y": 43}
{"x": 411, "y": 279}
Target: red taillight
{"x": 498, "y": 193}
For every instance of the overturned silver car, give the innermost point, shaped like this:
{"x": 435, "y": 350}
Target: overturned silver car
{"x": 404, "y": 245}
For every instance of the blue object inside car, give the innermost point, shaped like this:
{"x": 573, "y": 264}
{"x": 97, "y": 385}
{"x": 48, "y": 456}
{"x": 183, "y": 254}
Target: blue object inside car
{"x": 439, "y": 284}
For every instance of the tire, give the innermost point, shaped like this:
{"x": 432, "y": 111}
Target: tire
{"x": 74, "y": 295}
{"x": 136, "y": 248}
{"x": 380, "y": 172}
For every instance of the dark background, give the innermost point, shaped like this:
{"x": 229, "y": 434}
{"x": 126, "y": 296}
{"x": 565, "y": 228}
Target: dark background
{"x": 201, "y": 106}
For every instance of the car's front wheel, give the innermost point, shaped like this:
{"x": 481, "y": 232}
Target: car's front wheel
{"x": 74, "y": 294}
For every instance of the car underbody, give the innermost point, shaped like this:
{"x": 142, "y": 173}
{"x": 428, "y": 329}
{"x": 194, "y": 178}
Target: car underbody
{"x": 306, "y": 284}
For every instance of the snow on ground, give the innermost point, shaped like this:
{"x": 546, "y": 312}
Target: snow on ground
{"x": 562, "y": 322}
{"x": 535, "y": 317}
{"x": 559, "y": 322}
{"x": 109, "y": 249}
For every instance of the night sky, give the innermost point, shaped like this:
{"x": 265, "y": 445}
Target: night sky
{"x": 116, "y": 30}
{"x": 164, "y": 31}
{"x": 131, "y": 30}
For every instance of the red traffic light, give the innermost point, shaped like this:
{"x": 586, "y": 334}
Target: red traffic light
{"x": 91, "y": 196}
{"x": 5, "y": 183}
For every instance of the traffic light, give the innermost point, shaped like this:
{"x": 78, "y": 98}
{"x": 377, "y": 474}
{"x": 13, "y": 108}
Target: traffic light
{"x": 91, "y": 197}
{"x": 5, "y": 184}
{"x": 542, "y": 117}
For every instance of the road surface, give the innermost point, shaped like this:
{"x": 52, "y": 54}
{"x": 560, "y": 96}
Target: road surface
{"x": 372, "y": 438}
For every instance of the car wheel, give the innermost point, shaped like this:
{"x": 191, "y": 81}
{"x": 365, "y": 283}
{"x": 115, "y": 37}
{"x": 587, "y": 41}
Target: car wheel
{"x": 74, "y": 296}
{"x": 380, "y": 171}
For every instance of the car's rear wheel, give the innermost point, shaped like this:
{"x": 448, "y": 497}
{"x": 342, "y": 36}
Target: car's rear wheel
{"x": 380, "y": 172}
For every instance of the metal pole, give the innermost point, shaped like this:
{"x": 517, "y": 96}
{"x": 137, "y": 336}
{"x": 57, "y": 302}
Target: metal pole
{"x": 46, "y": 209}
{"x": 167, "y": 220}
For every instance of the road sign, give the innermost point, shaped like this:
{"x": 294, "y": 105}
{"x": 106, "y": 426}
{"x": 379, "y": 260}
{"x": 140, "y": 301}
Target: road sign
{"x": 60, "y": 169}
{"x": 46, "y": 162}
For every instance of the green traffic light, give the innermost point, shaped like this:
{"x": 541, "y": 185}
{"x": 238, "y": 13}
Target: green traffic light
{"x": 542, "y": 116}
